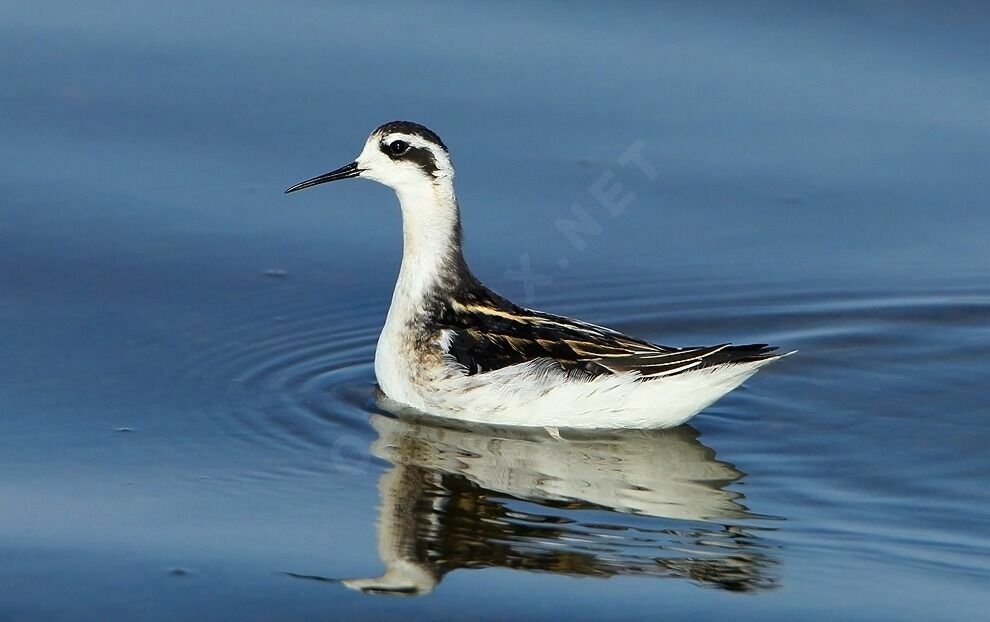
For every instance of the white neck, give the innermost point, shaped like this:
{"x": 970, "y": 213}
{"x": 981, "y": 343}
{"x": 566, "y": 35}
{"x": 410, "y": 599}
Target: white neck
{"x": 430, "y": 239}
{"x": 431, "y": 248}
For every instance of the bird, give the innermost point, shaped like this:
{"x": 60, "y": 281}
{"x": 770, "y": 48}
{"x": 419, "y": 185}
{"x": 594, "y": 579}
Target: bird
{"x": 451, "y": 347}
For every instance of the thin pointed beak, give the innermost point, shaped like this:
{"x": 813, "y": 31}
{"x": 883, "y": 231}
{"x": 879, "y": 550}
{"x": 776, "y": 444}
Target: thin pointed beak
{"x": 344, "y": 172}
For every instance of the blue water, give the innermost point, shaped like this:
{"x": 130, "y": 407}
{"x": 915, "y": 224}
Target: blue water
{"x": 188, "y": 419}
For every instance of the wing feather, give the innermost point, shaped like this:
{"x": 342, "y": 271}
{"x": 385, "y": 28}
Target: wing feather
{"x": 490, "y": 333}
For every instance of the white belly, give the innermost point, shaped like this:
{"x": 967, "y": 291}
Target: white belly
{"x": 534, "y": 394}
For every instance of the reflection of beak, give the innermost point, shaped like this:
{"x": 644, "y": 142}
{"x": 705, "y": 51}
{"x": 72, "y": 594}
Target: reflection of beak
{"x": 403, "y": 577}
{"x": 344, "y": 172}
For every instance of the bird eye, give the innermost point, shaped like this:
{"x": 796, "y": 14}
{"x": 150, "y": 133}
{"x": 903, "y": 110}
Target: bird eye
{"x": 398, "y": 147}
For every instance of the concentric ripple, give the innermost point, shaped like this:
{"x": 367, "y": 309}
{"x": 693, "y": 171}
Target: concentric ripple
{"x": 296, "y": 382}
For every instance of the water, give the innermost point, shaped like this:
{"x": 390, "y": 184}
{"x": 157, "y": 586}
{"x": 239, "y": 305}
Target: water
{"x": 190, "y": 426}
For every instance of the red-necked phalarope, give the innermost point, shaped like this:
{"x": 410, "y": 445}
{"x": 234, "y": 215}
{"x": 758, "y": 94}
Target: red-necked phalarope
{"x": 454, "y": 348}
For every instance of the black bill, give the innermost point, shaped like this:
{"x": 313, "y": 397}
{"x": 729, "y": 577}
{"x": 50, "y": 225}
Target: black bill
{"x": 344, "y": 172}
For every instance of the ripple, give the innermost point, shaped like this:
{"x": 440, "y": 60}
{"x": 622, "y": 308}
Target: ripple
{"x": 286, "y": 379}
{"x": 282, "y": 394}
{"x": 298, "y": 381}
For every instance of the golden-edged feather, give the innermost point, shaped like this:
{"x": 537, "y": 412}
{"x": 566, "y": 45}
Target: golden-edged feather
{"x": 485, "y": 333}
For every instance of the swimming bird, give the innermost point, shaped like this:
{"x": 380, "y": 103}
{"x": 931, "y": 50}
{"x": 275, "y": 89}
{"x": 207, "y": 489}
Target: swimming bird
{"x": 451, "y": 347}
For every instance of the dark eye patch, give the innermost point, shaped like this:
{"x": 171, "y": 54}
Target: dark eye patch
{"x": 420, "y": 156}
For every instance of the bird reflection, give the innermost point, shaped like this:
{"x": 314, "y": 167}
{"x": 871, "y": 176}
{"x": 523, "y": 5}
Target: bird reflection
{"x": 647, "y": 503}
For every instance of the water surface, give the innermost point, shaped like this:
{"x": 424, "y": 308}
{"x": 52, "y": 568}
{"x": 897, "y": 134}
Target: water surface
{"x": 190, "y": 427}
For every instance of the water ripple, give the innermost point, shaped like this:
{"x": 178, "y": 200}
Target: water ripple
{"x": 297, "y": 385}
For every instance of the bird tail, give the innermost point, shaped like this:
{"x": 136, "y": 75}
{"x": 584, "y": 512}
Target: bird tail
{"x": 748, "y": 353}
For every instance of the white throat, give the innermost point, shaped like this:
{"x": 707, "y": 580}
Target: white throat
{"x": 430, "y": 239}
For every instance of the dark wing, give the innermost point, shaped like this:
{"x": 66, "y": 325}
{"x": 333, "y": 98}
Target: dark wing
{"x": 490, "y": 334}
